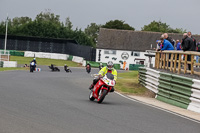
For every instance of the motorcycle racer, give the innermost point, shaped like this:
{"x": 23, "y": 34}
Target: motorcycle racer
{"x": 107, "y": 69}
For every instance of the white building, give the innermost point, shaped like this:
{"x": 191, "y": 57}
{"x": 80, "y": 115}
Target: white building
{"x": 123, "y": 46}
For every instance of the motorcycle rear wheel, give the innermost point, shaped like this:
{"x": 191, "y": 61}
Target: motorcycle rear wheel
{"x": 90, "y": 96}
{"x": 102, "y": 94}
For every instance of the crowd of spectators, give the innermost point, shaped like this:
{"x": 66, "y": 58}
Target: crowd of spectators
{"x": 188, "y": 43}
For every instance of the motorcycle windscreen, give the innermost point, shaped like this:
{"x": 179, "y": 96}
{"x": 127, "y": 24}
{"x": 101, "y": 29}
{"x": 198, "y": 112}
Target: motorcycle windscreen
{"x": 110, "y": 76}
{"x": 108, "y": 79}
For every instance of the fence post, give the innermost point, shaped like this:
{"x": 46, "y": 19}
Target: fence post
{"x": 179, "y": 64}
{"x": 164, "y": 61}
{"x": 158, "y": 58}
{"x": 175, "y": 63}
{"x": 192, "y": 64}
{"x": 171, "y": 61}
{"x": 185, "y": 64}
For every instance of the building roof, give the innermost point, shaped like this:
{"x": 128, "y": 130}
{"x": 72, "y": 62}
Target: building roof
{"x": 130, "y": 40}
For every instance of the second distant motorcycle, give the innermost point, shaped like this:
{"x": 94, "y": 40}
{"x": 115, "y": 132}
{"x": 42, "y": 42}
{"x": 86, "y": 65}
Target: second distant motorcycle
{"x": 88, "y": 68}
{"x": 53, "y": 68}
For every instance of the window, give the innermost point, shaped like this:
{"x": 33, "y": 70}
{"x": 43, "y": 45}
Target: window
{"x": 133, "y": 53}
{"x": 110, "y": 52}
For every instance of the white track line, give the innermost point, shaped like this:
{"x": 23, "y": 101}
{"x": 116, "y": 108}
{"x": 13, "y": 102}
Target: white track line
{"x": 197, "y": 121}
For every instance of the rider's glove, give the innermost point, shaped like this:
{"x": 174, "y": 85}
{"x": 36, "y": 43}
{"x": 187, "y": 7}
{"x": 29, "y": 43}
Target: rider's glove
{"x": 100, "y": 76}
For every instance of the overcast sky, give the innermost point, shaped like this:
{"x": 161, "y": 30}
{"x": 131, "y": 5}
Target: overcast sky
{"x": 137, "y": 13}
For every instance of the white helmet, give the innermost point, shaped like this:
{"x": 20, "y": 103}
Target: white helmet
{"x": 110, "y": 65}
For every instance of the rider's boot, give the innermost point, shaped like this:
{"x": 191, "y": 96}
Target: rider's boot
{"x": 112, "y": 90}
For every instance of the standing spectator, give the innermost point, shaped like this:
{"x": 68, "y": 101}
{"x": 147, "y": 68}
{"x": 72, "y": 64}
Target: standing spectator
{"x": 187, "y": 45}
{"x": 169, "y": 39}
{"x": 190, "y": 36}
{"x": 194, "y": 41}
{"x": 158, "y": 44}
{"x": 198, "y": 50}
{"x": 178, "y": 45}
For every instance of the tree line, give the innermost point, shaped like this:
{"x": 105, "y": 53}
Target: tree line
{"x": 48, "y": 25}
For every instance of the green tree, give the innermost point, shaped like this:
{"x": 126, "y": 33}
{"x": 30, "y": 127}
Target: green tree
{"x": 118, "y": 24}
{"x": 20, "y": 21}
{"x": 48, "y": 25}
{"x": 82, "y": 38}
{"x": 49, "y": 17}
{"x": 68, "y": 23}
{"x": 92, "y": 31}
{"x": 161, "y": 27}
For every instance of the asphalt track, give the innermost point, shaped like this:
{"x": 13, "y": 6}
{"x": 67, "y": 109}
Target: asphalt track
{"x": 57, "y": 102}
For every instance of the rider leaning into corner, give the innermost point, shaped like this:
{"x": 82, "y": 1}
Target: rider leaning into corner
{"x": 107, "y": 69}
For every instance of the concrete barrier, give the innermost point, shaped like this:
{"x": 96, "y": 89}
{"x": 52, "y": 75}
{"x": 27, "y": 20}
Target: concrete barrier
{"x": 173, "y": 89}
{"x": 9, "y": 63}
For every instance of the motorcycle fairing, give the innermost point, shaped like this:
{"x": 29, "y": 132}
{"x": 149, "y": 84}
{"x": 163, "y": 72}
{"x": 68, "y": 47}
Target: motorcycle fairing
{"x": 97, "y": 87}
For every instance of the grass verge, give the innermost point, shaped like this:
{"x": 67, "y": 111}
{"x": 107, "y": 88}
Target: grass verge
{"x": 127, "y": 83}
{"x": 11, "y": 68}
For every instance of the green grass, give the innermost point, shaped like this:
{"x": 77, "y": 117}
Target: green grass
{"x": 43, "y": 61}
{"x": 11, "y": 68}
{"x": 128, "y": 83}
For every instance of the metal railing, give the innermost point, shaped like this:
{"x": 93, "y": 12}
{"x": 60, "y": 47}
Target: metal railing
{"x": 177, "y": 61}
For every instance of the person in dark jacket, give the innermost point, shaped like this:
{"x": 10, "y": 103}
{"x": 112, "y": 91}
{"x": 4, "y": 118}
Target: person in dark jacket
{"x": 187, "y": 45}
{"x": 189, "y": 34}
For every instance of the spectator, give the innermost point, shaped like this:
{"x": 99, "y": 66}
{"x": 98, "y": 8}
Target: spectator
{"x": 198, "y": 50}
{"x": 187, "y": 45}
{"x": 190, "y": 36}
{"x": 158, "y": 44}
{"x": 166, "y": 46}
{"x": 165, "y": 35}
{"x": 178, "y": 45}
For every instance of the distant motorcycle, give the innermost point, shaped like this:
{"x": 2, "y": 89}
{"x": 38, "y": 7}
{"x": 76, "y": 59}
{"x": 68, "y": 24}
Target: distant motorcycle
{"x": 88, "y": 68}
{"x": 102, "y": 87}
{"x": 32, "y": 66}
{"x": 53, "y": 68}
{"x": 67, "y": 69}
{"x": 100, "y": 67}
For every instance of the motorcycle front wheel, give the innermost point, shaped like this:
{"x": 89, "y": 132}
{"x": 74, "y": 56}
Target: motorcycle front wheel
{"x": 102, "y": 94}
{"x": 91, "y": 96}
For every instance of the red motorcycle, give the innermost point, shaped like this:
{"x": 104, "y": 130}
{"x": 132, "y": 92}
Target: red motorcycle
{"x": 102, "y": 87}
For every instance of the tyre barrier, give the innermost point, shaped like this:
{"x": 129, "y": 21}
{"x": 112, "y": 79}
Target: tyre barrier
{"x": 173, "y": 89}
